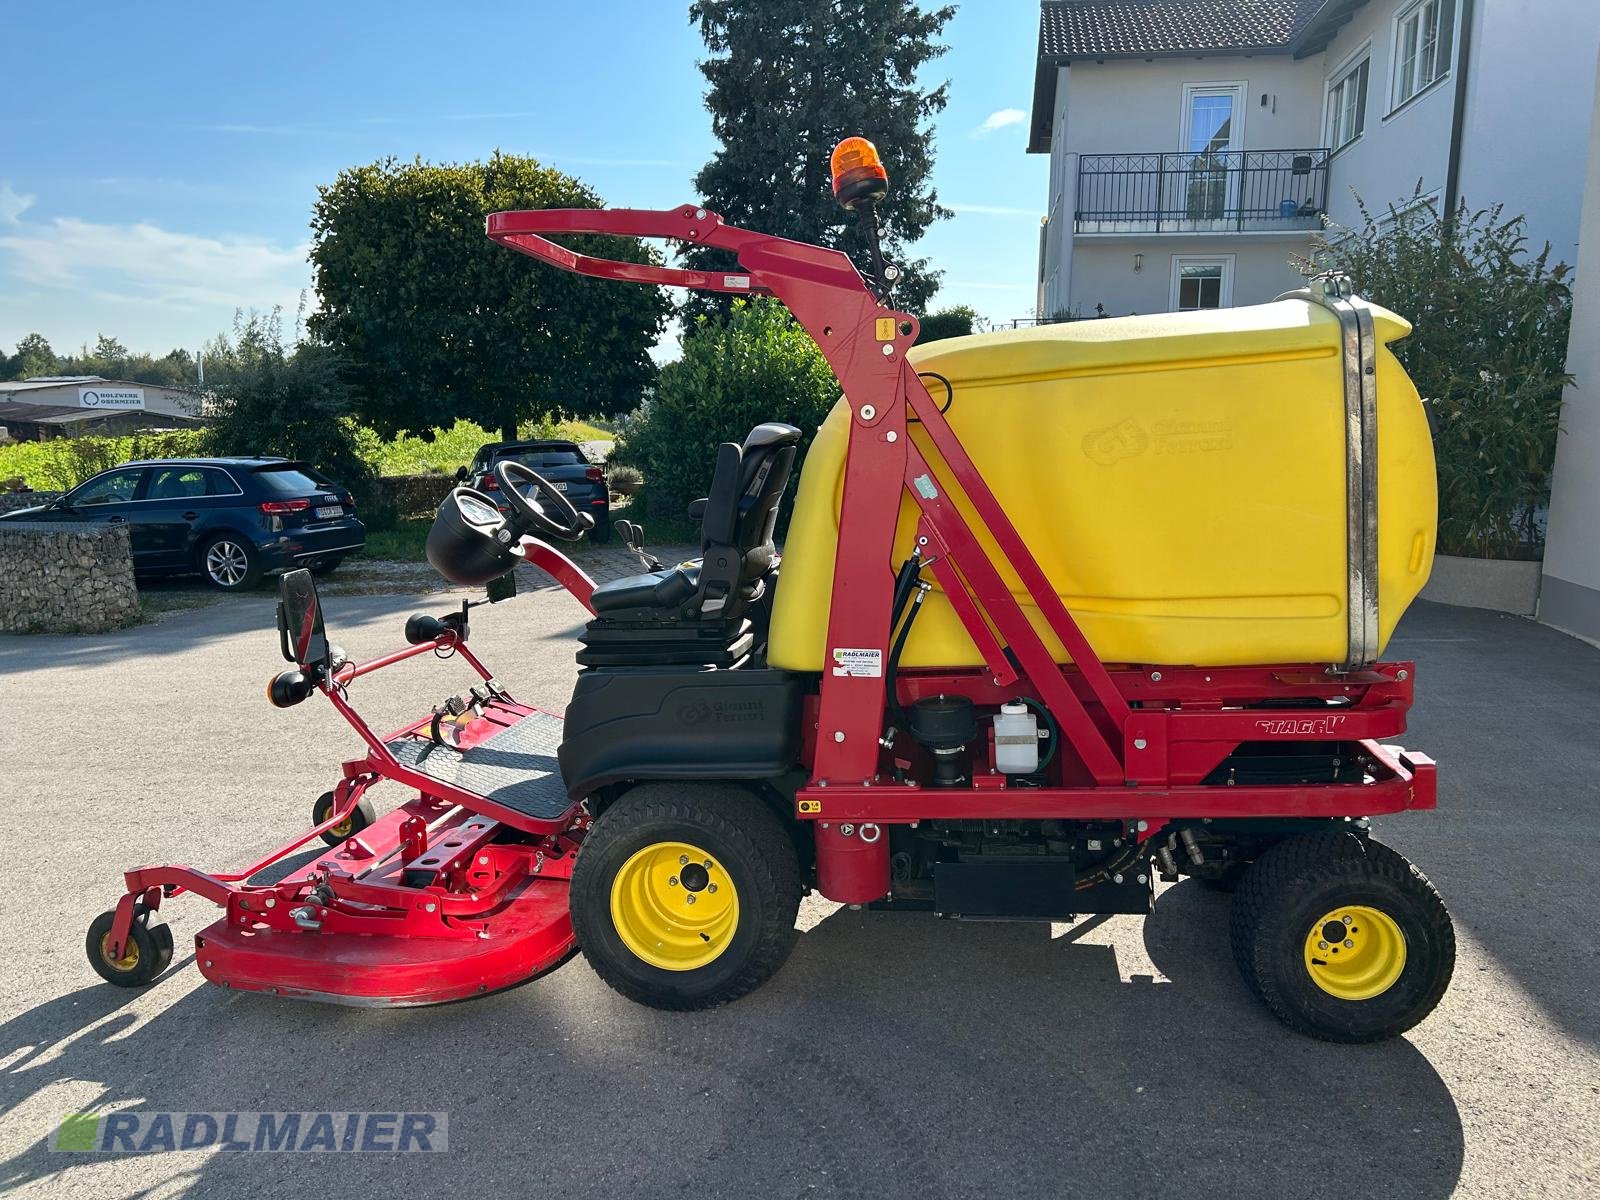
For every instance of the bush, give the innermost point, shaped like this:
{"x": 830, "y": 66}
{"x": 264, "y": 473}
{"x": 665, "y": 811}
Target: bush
{"x": 947, "y": 323}
{"x": 294, "y": 402}
{"x": 757, "y": 366}
{"x": 1487, "y": 353}
{"x": 624, "y": 480}
{"x": 62, "y": 463}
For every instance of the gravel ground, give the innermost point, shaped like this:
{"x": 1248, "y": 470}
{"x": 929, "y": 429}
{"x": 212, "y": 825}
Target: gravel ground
{"x": 895, "y": 1055}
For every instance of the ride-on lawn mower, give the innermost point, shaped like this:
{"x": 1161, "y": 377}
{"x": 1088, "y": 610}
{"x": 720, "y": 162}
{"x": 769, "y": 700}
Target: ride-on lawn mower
{"x": 1061, "y": 611}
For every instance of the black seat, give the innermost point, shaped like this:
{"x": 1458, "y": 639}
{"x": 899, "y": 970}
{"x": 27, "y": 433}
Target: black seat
{"x": 736, "y": 524}
{"x": 696, "y": 613}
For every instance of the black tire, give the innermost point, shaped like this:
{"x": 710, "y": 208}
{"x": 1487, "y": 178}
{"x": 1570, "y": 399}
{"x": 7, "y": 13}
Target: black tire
{"x": 150, "y": 944}
{"x": 748, "y": 844}
{"x": 1227, "y": 882}
{"x": 230, "y": 563}
{"x": 328, "y": 566}
{"x": 601, "y": 533}
{"x": 1304, "y": 878}
{"x": 360, "y": 817}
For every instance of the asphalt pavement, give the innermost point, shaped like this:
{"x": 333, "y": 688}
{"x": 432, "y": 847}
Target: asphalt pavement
{"x": 895, "y": 1055}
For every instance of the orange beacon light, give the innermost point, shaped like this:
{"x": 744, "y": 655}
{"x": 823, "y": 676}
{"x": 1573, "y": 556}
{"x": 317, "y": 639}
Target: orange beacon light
{"x": 858, "y": 174}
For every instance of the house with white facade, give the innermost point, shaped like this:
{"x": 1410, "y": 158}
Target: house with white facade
{"x": 1196, "y": 146}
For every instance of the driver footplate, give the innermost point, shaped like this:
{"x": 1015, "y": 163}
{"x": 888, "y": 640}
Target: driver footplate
{"x": 516, "y": 768}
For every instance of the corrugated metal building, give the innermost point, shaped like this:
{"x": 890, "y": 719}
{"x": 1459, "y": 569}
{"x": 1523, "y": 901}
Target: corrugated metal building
{"x": 72, "y": 405}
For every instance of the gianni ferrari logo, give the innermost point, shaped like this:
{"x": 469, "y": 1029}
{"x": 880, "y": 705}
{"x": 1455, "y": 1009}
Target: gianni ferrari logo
{"x": 1300, "y": 726}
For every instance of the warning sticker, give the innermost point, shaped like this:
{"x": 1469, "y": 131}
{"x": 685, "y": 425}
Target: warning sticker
{"x": 863, "y": 664}
{"x": 736, "y": 281}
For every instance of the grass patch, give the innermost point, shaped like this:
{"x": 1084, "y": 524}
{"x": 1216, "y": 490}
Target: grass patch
{"x": 406, "y": 542}
{"x": 454, "y": 447}
{"x": 62, "y": 463}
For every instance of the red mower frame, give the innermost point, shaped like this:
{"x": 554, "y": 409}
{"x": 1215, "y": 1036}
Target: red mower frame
{"x": 429, "y": 903}
{"x": 1143, "y": 738}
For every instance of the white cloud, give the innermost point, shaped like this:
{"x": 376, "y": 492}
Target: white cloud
{"x": 999, "y": 120}
{"x": 994, "y": 210}
{"x": 12, "y": 204}
{"x": 148, "y": 265}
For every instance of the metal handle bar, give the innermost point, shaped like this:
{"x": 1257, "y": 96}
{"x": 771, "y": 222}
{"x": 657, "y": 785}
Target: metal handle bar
{"x": 766, "y": 259}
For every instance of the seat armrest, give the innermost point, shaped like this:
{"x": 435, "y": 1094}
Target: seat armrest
{"x": 697, "y": 508}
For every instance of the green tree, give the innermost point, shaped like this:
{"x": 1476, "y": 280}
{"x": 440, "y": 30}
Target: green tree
{"x": 274, "y": 398}
{"x": 756, "y": 366}
{"x": 109, "y": 356}
{"x": 788, "y": 80}
{"x": 437, "y": 323}
{"x": 33, "y": 357}
{"x": 1487, "y": 352}
{"x": 957, "y": 321}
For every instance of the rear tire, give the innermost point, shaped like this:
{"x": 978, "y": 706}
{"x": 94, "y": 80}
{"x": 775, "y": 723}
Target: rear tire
{"x": 230, "y": 563}
{"x": 601, "y": 533}
{"x": 1398, "y": 944}
{"x": 684, "y": 896}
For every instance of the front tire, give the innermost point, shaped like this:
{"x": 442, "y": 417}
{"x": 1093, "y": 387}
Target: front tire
{"x": 362, "y": 815}
{"x": 684, "y": 896}
{"x": 146, "y": 954}
{"x": 230, "y": 563}
{"x": 1342, "y": 938}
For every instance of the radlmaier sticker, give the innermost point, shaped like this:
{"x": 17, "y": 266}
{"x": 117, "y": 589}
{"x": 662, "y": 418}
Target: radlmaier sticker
{"x": 861, "y": 664}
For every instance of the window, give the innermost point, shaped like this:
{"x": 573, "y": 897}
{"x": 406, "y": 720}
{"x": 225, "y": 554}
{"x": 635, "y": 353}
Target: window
{"x": 1424, "y": 37}
{"x": 1201, "y": 282}
{"x": 292, "y": 479}
{"x": 1347, "y": 106}
{"x": 114, "y": 487}
{"x": 180, "y": 483}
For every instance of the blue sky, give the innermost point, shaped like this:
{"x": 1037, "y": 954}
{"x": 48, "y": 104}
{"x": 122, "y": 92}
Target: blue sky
{"x": 158, "y": 163}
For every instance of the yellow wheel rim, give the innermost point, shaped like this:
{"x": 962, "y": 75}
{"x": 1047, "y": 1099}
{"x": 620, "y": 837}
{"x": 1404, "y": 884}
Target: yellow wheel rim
{"x": 674, "y": 906}
{"x": 1355, "y": 952}
{"x": 130, "y": 953}
{"x": 342, "y": 829}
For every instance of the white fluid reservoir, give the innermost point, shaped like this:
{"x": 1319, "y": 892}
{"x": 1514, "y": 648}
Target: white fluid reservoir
{"x": 1016, "y": 740}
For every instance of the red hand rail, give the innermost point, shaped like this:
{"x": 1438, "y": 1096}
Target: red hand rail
{"x": 770, "y": 263}
{"x": 523, "y": 231}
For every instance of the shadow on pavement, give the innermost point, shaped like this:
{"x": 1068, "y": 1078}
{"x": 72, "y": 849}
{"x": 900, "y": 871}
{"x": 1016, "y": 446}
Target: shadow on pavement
{"x": 894, "y": 1055}
{"x": 1511, "y": 710}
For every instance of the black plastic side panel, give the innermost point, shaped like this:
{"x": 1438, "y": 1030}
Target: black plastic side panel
{"x": 680, "y": 723}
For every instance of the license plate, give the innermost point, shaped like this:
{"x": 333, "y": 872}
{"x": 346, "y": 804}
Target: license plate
{"x": 330, "y": 510}
{"x": 560, "y": 487}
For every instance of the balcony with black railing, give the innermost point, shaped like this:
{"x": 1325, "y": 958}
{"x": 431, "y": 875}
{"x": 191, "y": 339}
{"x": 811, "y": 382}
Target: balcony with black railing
{"x": 1215, "y": 191}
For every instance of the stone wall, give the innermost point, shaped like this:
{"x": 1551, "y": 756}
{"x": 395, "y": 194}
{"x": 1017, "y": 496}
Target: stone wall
{"x": 65, "y": 578}
{"x": 11, "y": 501}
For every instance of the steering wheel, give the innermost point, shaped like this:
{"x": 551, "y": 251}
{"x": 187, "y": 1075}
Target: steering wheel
{"x": 554, "y": 516}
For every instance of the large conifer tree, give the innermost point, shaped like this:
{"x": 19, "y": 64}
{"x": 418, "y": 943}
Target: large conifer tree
{"x": 790, "y": 78}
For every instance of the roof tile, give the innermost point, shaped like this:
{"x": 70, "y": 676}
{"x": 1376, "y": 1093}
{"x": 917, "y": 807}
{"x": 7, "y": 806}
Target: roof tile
{"x": 1105, "y": 28}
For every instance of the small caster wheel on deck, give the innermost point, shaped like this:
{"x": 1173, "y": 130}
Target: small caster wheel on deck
{"x": 360, "y": 817}
{"x": 1342, "y": 938}
{"x": 146, "y": 954}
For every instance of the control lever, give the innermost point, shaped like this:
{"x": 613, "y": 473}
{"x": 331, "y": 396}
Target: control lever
{"x": 632, "y": 535}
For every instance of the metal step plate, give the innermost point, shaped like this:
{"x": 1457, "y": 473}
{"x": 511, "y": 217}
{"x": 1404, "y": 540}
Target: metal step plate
{"x": 516, "y": 768}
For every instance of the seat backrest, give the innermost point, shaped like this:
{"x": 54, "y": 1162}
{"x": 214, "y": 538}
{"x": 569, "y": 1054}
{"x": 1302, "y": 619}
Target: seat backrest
{"x": 742, "y": 509}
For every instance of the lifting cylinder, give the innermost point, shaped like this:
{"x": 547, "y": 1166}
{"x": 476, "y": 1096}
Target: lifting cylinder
{"x": 852, "y": 862}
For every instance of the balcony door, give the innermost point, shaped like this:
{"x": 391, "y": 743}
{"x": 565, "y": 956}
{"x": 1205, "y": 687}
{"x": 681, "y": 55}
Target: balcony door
{"x": 1213, "y": 133}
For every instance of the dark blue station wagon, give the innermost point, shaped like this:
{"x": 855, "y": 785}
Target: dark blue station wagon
{"x": 233, "y": 520}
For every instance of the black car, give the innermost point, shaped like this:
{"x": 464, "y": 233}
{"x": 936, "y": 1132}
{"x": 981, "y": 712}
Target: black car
{"x": 564, "y": 464}
{"x": 231, "y": 519}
